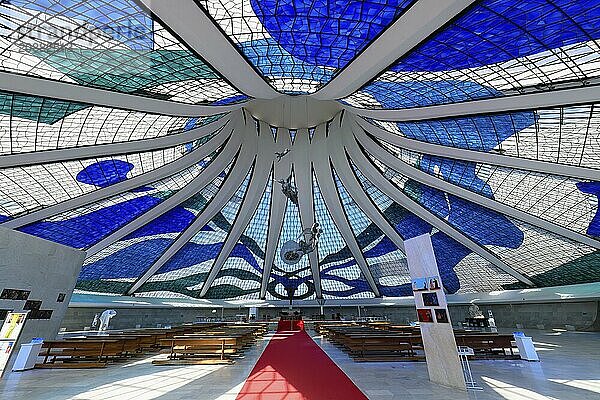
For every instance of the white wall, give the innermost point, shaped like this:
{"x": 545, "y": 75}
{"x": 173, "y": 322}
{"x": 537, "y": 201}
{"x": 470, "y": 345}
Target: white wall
{"x": 45, "y": 269}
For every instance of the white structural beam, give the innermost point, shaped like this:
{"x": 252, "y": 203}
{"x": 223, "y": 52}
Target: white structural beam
{"x": 301, "y": 158}
{"x": 281, "y": 170}
{"x": 517, "y": 102}
{"x": 190, "y": 22}
{"x": 216, "y": 166}
{"x": 123, "y": 186}
{"x": 101, "y": 97}
{"x": 479, "y": 156}
{"x": 373, "y": 175}
{"x": 418, "y": 22}
{"x": 109, "y": 149}
{"x": 357, "y": 192}
{"x": 420, "y": 176}
{"x": 232, "y": 183}
{"x": 252, "y": 198}
{"x": 327, "y": 186}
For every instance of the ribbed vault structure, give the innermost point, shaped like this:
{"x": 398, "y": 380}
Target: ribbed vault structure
{"x": 154, "y": 135}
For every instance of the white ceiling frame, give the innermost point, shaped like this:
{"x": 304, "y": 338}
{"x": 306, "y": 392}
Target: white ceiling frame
{"x": 301, "y": 156}
{"x": 517, "y": 102}
{"x": 216, "y": 166}
{"x": 281, "y": 170}
{"x": 41, "y": 87}
{"x": 479, "y": 156}
{"x": 423, "y": 177}
{"x": 157, "y": 174}
{"x": 232, "y": 183}
{"x": 109, "y": 149}
{"x": 375, "y": 176}
{"x": 327, "y": 186}
{"x": 254, "y": 193}
{"x": 418, "y": 22}
{"x": 356, "y": 191}
{"x": 202, "y": 34}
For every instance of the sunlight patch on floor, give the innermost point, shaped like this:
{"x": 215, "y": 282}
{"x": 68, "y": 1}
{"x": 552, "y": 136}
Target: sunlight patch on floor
{"x": 150, "y": 386}
{"x": 593, "y": 385}
{"x": 511, "y": 392}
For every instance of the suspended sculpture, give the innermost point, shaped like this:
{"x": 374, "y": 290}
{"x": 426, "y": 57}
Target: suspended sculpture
{"x": 289, "y": 190}
{"x": 281, "y": 154}
{"x": 292, "y": 251}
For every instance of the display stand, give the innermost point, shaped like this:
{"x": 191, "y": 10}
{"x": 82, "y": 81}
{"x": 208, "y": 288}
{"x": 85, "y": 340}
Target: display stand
{"x": 464, "y": 352}
{"x": 9, "y": 335}
{"x": 526, "y": 347}
{"x": 443, "y": 363}
{"x": 27, "y": 357}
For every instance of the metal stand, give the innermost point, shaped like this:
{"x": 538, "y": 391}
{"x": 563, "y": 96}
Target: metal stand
{"x": 463, "y": 353}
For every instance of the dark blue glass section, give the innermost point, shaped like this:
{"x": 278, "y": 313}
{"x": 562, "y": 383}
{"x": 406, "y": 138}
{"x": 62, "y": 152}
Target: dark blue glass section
{"x": 194, "y": 253}
{"x": 448, "y": 253}
{"x": 86, "y": 230}
{"x": 592, "y": 188}
{"x": 230, "y": 100}
{"x": 4, "y": 218}
{"x": 105, "y": 173}
{"x": 426, "y": 93}
{"x": 481, "y": 133}
{"x": 274, "y": 61}
{"x": 460, "y": 173}
{"x": 495, "y": 31}
{"x": 173, "y": 221}
{"x": 130, "y": 262}
{"x": 326, "y": 32}
{"x": 482, "y": 225}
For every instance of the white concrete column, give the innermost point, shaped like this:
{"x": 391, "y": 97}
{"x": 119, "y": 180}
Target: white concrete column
{"x": 439, "y": 344}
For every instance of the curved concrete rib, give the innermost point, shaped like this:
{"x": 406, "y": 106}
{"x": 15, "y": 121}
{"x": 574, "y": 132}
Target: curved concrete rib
{"x": 479, "y": 156}
{"x": 101, "y": 97}
{"x": 418, "y": 22}
{"x": 429, "y": 180}
{"x": 218, "y": 165}
{"x": 356, "y": 191}
{"x": 373, "y": 175}
{"x": 303, "y": 174}
{"x": 252, "y": 198}
{"x": 190, "y": 22}
{"x": 136, "y": 146}
{"x": 281, "y": 170}
{"x": 233, "y": 181}
{"x": 123, "y": 186}
{"x": 517, "y": 102}
{"x": 327, "y": 186}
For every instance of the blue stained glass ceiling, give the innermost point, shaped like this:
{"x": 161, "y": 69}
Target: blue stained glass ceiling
{"x": 299, "y": 45}
{"x": 494, "y": 48}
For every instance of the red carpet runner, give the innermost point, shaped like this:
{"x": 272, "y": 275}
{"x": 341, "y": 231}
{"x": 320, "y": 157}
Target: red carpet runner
{"x": 293, "y": 367}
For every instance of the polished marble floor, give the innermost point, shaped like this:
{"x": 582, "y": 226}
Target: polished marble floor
{"x": 570, "y": 369}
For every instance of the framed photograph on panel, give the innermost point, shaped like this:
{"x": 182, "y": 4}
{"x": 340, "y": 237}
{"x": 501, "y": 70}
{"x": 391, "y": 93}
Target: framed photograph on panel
{"x": 419, "y": 284}
{"x": 424, "y": 315}
{"x": 433, "y": 283}
{"x": 430, "y": 299}
{"x": 441, "y": 316}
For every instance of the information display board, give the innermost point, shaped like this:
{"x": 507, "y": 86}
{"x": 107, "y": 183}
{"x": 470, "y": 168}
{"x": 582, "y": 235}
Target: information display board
{"x": 9, "y": 334}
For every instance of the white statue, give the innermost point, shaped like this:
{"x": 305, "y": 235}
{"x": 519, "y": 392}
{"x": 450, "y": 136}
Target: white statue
{"x": 105, "y": 319}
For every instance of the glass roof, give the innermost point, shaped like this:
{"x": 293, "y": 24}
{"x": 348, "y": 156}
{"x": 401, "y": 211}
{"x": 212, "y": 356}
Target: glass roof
{"x": 166, "y": 205}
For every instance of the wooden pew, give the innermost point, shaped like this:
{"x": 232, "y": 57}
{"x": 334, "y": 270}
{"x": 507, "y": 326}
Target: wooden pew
{"x": 79, "y": 353}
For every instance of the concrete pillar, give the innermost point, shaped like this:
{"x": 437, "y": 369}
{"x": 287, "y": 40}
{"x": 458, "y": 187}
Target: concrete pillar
{"x": 439, "y": 344}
